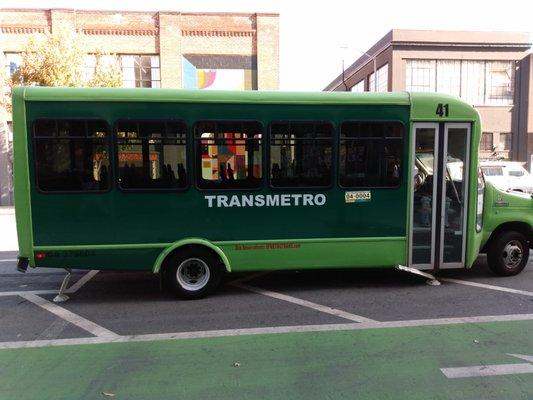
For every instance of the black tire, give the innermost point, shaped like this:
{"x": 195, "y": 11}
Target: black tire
{"x": 508, "y": 253}
{"x": 193, "y": 273}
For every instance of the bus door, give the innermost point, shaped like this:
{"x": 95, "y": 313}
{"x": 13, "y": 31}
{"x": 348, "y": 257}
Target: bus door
{"x": 440, "y": 193}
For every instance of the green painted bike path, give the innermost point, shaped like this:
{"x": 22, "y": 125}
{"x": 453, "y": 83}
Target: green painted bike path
{"x": 395, "y": 363}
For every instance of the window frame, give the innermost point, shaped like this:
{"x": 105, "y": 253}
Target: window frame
{"x": 151, "y": 190}
{"x": 140, "y": 55}
{"x": 196, "y": 159}
{"x": 333, "y": 156}
{"x": 402, "y": 165}
{"x": 482, "y": 140}
{"x": 34, "y": 139}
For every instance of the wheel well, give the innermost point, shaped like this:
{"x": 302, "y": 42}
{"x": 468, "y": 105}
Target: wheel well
{"x": 196, "y": 247}
{"x": 520, "y": 227}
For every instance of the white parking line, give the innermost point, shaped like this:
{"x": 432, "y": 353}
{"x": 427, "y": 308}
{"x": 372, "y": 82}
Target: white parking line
{"x": 266, "y": 330}
{"x": 487, "y": 370}
{"x": 69, "y": 316}
{"x": 20, "y": 292}
{"x": 82, "y": 281}
{"x": 485, "y": 286}
{"x": 303, "y": 303}
{"x": 9, "y": 260}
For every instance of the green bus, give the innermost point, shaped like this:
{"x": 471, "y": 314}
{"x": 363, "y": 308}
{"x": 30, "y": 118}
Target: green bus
{"x": 192, "y": 184}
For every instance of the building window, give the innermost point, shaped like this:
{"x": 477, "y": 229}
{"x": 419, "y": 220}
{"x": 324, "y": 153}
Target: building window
{"x": 420, "y": 75}
{"x": 499, "y": 83}
{"x": 301, "y": 154}
{"x": 449, "y": 77}
{"x": 12, "y": 62}
{"x": 473, "y": 82}
{"x": 359, "y": 86}
{"x": 141, "y": 71}
{"x": 370, "y": 154}
{"x": 71, "y": 155}
{"x": 383, "y": 78}
{"x": 228, "y": 154}
{"x": 487, "y": 142}
{"x": 506, "y": 140}
{"x": 371, "y": 82}
{"x": 476, "y": 82}
{"x": 151, "y": 155}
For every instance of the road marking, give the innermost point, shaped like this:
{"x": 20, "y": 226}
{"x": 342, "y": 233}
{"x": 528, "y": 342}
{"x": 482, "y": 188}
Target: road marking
{"x": 69, "y": 316}
{"x": 491, "y": 370}
{"x": 54, "y": 330}
{"x": 487, "y": 370}
{"x": 21, "y": 292}
{"x": 523, "y": 357}
{"x": 485, "y": 286}
{"x": 9, "y": 260}
{"x": 82, "y": 281}
{"x": 262, "y": 331}
{"x": 304, "y": 303}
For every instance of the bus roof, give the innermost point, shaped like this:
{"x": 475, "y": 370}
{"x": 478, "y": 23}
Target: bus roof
{"x": 423, "y": 102}
{"x": 216, "y": 96}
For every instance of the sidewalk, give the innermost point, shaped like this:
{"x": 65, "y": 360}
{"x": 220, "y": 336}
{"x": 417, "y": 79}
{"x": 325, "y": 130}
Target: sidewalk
{"x": 8, "y": 229}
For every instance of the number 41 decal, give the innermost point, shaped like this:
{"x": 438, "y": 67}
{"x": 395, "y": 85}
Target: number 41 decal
{"x": 442, "y": 110}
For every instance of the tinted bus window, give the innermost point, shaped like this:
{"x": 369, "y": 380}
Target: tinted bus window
{"x": 71, "y": 155}
{"x": 370, "y": 154}
{"x": 300, "y": 154}
{"x": 228, "y": 154}
{"x": 151, "y": 155}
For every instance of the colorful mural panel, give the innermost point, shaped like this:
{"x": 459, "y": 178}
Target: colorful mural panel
{"x": 219, "y": 72}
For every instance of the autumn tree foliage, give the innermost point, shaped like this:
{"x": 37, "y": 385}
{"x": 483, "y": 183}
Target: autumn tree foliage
{"x": 58, "y": 59}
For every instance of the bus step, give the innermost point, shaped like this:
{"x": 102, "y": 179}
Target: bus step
{"x": 432, "y": 281}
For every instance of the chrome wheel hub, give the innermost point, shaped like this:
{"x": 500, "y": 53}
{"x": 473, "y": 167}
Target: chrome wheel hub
{"x": 512, "y": 254}
{"x": 193, "y": 274}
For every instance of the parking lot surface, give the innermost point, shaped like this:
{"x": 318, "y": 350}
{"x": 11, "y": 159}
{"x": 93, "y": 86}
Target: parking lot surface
{"x": 378, "y": 333}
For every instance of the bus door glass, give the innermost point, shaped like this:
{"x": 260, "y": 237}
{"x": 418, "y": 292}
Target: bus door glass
{"x": 438, "y": 203}
{"x": 454, "y": 199}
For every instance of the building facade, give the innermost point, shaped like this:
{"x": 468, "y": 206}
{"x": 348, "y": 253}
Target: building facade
{"x": 490, "y": 70}
{"x": 233, "y": 51}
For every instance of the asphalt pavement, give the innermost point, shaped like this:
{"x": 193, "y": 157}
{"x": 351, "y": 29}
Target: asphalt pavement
{"x": 368, "y": 333}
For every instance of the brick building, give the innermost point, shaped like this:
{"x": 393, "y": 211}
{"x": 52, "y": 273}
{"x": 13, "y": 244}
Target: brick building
{"x": 491, "y": 70}
{"x": 156, "y": 49}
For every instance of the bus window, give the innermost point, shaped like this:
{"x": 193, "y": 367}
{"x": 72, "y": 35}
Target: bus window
{"x": 228, "y": 154}
{"x": 370, "y": 154}
{"x": 151, "y": 155}
{"x": 301, "y": 154}
{"x": 71, "y": 155}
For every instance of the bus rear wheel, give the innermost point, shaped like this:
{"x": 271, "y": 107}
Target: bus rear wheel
{"x": 508, "y": 254}
{"x": 193, "y": 273}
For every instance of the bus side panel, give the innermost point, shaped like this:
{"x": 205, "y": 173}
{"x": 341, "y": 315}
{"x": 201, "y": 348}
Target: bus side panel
{"x": 126, "y": 258}
{"x": 88, "y": 220}
{"x": 296, "y": 254}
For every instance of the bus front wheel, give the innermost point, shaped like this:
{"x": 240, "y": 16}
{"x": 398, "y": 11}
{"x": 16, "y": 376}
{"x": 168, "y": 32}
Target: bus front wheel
{"x": 508, "y": 253}
{"x": 193, "y": 273}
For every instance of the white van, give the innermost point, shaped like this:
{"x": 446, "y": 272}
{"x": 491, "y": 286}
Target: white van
{"x": 508, "y": 175}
